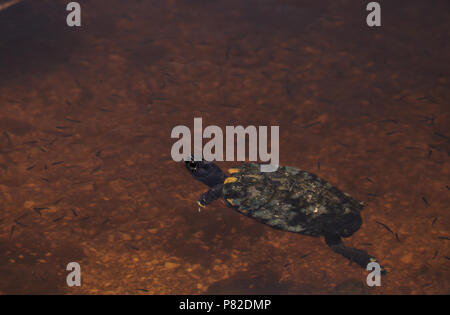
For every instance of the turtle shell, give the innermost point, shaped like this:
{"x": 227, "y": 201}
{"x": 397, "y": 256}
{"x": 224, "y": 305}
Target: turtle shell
{"x": 292, "y": 200}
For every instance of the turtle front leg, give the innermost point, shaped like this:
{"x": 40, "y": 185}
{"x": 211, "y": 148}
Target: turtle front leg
{"x": 211, "y": 195}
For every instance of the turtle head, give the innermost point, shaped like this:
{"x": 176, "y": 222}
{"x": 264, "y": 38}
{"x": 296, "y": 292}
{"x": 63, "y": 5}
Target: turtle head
{"x": 206, "y": 172}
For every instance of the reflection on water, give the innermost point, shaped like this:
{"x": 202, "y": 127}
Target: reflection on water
{"x": 86, "y": 173}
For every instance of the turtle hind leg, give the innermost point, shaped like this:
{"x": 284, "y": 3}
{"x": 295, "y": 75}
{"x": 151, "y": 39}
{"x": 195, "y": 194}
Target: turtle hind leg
{"x": 359, "y": 256}
{"x": 214, "y": 193}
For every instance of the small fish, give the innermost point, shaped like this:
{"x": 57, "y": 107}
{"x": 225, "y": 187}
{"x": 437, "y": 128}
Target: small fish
{"x": 385, "y": 226}
{"x": 65, "y": 135}
{"x": 434, "y": 221}
{"x": 95, "y": 170}
{"x": 38, "y": 210}
{"x": 19, "y": 223}
{"x": 105, "y": 110}
{"x": 73, "y": 120}
{"x": 306, "y": 255}
{"x": 343, "y": 144}
{"x": 144, "y": 290}
{"x": 12, "y": 231}
{"x": 59, "y": 219}
{"x": 5, "y": 133}
{"x": 429, "y": 121}
{"x": 310, "y": 124}
{"x": 132, "y": 246}
{"x": 425, "y": 201}
{"x": 441, "y": 135}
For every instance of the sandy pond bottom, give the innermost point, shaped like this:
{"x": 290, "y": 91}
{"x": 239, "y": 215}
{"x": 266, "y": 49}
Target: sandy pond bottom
{"x": 85, "y": 121}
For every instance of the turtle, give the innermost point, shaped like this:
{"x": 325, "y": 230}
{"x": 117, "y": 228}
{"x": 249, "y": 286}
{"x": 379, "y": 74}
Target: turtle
{"x": 288, "y": 199}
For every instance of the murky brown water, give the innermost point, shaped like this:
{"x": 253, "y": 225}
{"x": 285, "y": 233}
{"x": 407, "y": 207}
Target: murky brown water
{"x": 85, "y": 121}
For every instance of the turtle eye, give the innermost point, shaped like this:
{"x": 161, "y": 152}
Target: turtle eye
{"x": 193, "y": 165}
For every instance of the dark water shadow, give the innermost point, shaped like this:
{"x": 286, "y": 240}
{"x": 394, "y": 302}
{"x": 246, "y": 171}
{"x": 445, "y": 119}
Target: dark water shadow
{"x": 255, "y": 282}
{"x": 34, "y": 38}
{"x": 26, "y": 268}
{"x": 216, "y": 239}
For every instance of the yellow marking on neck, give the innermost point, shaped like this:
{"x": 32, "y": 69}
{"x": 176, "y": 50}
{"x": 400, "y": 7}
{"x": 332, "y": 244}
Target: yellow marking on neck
{"x": 233, "y": 170}
{"x": 230, "y": 201}
{"x": 230, "y": 180}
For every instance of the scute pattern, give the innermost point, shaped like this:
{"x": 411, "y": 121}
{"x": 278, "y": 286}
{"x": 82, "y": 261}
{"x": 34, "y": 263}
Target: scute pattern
{"x": 293, "y": 200}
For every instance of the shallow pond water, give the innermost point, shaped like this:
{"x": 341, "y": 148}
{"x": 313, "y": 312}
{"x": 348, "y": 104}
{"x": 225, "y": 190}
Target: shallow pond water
{"x": 86, "y": 114}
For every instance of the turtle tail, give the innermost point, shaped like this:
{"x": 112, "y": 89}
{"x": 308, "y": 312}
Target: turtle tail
{"x": 359, "y": 256}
